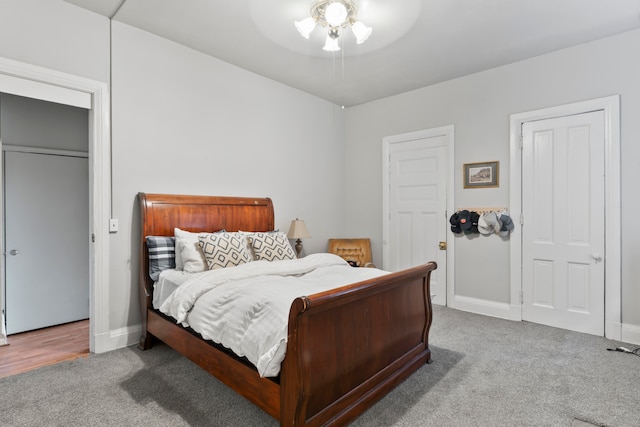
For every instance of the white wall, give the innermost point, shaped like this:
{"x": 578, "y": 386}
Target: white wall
{"x": 184, "y": 122}
{"x": 479, "y": 107}
{"x": 55, "y": 35}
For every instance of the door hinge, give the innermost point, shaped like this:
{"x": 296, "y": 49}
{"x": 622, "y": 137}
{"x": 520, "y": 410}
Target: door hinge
{"x": 93, "y": 238}
{"x": 521, "y": 296}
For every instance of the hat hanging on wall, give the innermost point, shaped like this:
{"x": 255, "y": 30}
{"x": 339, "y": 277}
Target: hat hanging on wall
{"x": 485, "y": 221}
{"x": 454, "y": 220}
{"x": 489, "y": 223}
{"x": 464, "y": 218}
{"x": 506, "y": 224}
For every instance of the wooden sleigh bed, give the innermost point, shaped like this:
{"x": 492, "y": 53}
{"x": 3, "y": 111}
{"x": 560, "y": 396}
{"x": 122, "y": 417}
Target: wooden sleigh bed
{"x": 346, "y": 348}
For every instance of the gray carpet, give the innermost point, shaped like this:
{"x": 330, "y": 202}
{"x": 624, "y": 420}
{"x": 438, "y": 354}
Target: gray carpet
{"x": 486, "y": 372}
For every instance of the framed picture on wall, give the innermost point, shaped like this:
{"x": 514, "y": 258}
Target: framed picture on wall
{"x": 481, "y": 175}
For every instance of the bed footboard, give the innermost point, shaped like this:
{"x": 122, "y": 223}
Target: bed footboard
{"x": 349, "y": 347}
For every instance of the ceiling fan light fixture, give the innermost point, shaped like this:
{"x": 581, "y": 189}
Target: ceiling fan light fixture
{"x": 334, "y": 14}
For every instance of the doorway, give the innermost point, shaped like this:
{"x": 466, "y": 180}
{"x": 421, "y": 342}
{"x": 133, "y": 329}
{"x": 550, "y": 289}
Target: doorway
{"x": 40, "y": 83}
{"x": 417, "y": 193}
{"x": 46, "y": 212}
{"x": 533, "y": 265}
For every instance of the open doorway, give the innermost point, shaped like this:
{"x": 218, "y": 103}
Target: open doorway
{"x": 46, "y": 213}
{"x": 40, "y": 83}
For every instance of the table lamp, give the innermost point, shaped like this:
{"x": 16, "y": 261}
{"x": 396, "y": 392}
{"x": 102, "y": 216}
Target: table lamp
{"x": 298, "y": 230}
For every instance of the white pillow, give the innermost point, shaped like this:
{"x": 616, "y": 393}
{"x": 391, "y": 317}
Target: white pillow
{"x": 186, "y": 235}
{"x": 271, "y": 246}
{"x": 192, "y": 258}
{"x": 225, "y": 249}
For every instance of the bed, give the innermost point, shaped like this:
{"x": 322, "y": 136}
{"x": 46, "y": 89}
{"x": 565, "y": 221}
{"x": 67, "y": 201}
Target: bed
{"x": 345, "y": 348}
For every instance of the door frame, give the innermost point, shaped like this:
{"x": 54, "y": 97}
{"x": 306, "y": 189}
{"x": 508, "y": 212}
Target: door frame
{"x": 32, "y": 81}
{"x": 613, "y": 284}
{"x": 449, "y": 133}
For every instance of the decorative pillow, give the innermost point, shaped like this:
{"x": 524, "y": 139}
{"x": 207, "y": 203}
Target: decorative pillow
{"x": 192, "y": 258}
{"x": 271, "y": 246}
{"x": 182, "y": 234}
{"x": 162, "y": 254}
{"x": 224, "y": 249}
{"x": 248, "y": 235}
{"x": 189, "y": 256}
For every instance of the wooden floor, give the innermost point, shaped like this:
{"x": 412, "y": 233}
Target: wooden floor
{"x": 34, "y": 349}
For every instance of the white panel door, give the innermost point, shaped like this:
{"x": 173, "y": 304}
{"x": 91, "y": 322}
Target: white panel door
{"x": 46, "y": 240}
{"x": 563, "y": 231}
{"x": 417, "y": 208}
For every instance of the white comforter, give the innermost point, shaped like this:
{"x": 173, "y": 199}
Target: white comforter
{"x": 246, "y": 308}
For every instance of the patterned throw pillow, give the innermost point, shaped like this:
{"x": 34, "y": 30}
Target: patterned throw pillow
{"x": 271, "y": 246}
{"x": 224, "y": 249}
{"x": 162, "y": 254}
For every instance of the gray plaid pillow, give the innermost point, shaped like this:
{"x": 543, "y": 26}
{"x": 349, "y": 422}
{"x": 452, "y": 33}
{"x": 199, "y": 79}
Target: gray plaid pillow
{"x": 162, "y": 254}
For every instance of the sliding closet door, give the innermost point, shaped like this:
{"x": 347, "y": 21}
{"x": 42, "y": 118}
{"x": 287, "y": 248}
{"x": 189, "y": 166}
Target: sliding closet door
{"x": 47, "y": 240}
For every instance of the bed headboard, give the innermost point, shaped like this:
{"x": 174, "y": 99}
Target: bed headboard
{"x": 161, "y": 213}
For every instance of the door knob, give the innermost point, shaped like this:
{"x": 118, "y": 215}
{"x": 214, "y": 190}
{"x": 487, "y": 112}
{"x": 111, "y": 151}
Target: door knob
{"x": 597, "y": 257}
{"x": 442, "y": 246}
{"x": 13, "y": 252}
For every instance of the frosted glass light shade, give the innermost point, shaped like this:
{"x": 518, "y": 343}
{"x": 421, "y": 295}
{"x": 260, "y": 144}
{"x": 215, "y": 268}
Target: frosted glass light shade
{"x": 361, "y": 31}
{"x": 305, "y": 26}
{"x": 331, "y": 45}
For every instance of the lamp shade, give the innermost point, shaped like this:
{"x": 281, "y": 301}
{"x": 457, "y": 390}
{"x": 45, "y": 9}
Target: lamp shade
{"x": 298, "y": 230}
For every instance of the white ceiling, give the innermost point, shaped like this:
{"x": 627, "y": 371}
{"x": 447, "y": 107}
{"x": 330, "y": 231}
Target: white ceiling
{"x": 425, "y": 42}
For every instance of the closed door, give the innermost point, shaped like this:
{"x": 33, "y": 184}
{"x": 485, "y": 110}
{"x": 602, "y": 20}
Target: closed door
{"x": 418, "y": 176}
{"x": 563, "y": 230}
{"x": 46, "y": 240}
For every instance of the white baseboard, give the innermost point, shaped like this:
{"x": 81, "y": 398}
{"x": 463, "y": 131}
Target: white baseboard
{"x": 613, "y": 330}
{"x": 630, "y": 334}
{"x": 117, "y": 338}
{"x": 3, "y": 332}
{"x": 485, "y": 307}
